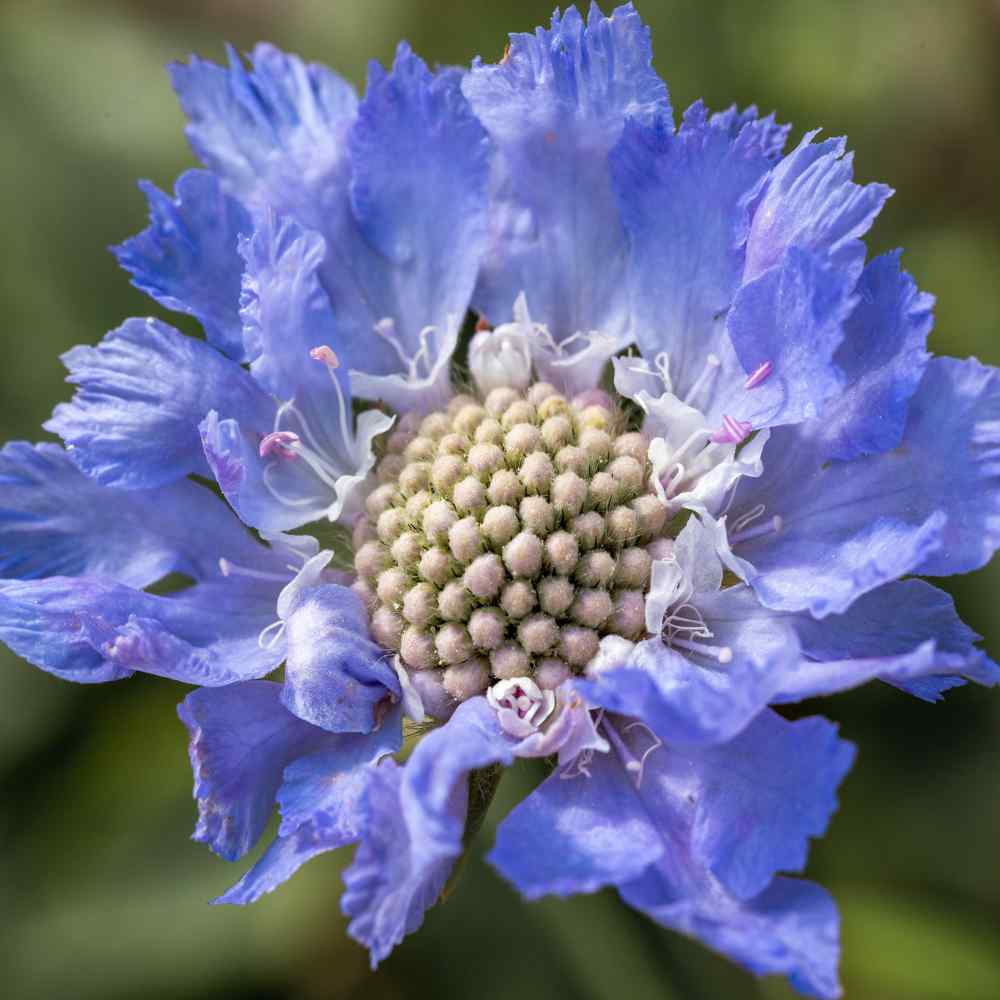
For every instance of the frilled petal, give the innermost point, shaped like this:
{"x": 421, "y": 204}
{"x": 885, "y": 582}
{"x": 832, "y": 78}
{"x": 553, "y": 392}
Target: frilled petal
{"x": 810, "y": 201}
{"x": 242, "y": 738}
{"x": 577, "y": 834}
{"x": 929, "y": 506}
{"x": 791, "y": 929}
{"x": 683, "y": 199}
{"x": 759, "y": 798}
{"x": 307, "y": 459}
{"x": 413, "y": 827}
{"x": 275, "y": 133}
{"x": 91, "y": 630}
{"x": 335, "y": 676}
{"x": 693, "y": 700}
{"x": 906, "y": 633}
{"x": 418, "y": 198}
{"x": 141, "y": 394}
{"x": 555, "y": 106}
{"x": 320, "y": 802}
{"x": 883, "y": 358}
{"x": 55, "y": 521}
{"x": 396, "y": 187}
{"x": 186, "y": 259}
{"x": 791, "y": 318}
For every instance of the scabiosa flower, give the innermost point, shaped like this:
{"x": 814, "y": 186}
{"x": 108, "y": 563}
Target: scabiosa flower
{"x": 694, "y": 448}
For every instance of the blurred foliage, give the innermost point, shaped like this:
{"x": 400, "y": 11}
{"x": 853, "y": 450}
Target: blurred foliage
{"x": 104, "y": 895}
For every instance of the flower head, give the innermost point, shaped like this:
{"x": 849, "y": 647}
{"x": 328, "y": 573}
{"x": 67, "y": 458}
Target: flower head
{"x": 697, "y": 445}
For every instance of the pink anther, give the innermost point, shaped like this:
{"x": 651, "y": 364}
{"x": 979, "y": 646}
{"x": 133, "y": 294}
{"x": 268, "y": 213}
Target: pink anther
{"x": 280, "y": 443}
{"x": 732, "y": 431}
{"x": 326, "y": 355}
{"x": 758, "y": 375}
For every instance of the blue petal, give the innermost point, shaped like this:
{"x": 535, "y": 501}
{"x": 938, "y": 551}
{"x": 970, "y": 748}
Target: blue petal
{"x": 759, "y": 798}
{"x": 929, "y": 506}
{"x": 287, "y": 314}
{"x": 317, "y": 787}
{"x": 418, "y": 197}
{"x": 883, "y": 357}
{"x": 141, "y": 394}
{"x": 186, "y": 259}
{"x": 792, "y": 317}
{"x": 55, "y": 521}
{"x": 241, "y": 740}
{"x": 335, "y": 676}
{"x": 413, "y": 827}
{"x": 392, "y": 881}
{"x": 92, "y": 630}
{"x": 233, "y": 453}
{"x": 692, "y": 700}
{"x": 396, "y": 188}
{"x": 683, "y": 202}
{"x": 791, "y": 929}
{"x": 810, "y": 201}
{"x": 275, "y": 135}
{"x": 555, "y": 107}
{"x": 906, "y": 633}
{"x": 577, "y": 834}
{"x": 320, "y": 800}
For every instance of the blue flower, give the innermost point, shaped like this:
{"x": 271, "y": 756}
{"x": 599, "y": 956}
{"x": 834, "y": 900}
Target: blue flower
{"x": 696, "y": 465}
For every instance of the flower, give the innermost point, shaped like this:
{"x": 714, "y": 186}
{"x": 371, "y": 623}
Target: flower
{"x": 699, "y": 461}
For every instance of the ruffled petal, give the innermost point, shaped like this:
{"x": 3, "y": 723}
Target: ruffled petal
{"x": 288, "y": 332}
{"x": 883, "y": 358}
{"x": 275, "y": 133}
{"x": 760, "y": 797}
{"x": 810, "y": 201}
{"x": 396, "y": 188}
{"x": 335, "y": 676}
{"x": 55, "y": 521}
{"x": 555, "y": 106}
{"x": 418, "y": 198}
{"x": 791, "y": 929}
{"x": 414, "y": 825}
{"x": 91, "y": 630}
{"x": 187, "y": 260}
{"x": 906, "y": 633}
{"x": 320, "y": 800}
{"x": 792, "y": 318}
{"x": 929, "y": 506}
{"x": 683, "y": 199}
{"x": 141, "y": 394}
{"x": 577, "y": 834}
{"x": 241, "y": 740}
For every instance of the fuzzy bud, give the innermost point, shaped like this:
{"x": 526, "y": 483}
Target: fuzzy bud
{"x": 551, "y": 672}
{"x": 464, "y": 540}
{"x": 591, "y": 608}
{"x": 555, "y": 594}
{"x": 417, "y": 648}
{"x": 537, "y": 634}
{"x": 561, "y": 552}
{"x": 485, "y": 576}
{"x": 523, "y": 555}
{"x": 465, "y": 680}
{"x": 487, "y": 627}
{"x": 509, "y": 660}
{"x": 420, "y": 604}
{"x": 518, "y": 598}
{"x": 453, "y": 643}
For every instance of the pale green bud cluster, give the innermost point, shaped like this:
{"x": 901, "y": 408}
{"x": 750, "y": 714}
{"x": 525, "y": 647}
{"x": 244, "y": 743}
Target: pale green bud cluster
{"x": 507, "y": 536}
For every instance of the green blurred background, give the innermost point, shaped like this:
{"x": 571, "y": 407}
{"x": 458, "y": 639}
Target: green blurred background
{"x": 104, "y": 895}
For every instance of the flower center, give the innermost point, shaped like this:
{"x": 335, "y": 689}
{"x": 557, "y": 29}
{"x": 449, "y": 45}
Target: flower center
{"x": 508, "y": 535}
